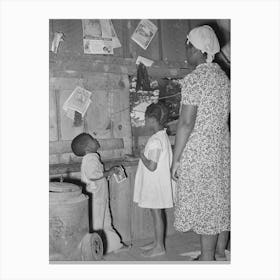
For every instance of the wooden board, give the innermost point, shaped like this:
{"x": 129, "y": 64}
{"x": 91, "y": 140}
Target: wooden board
{"x": 73, "y": 36}
{"x": 118, "y": 87}
{"x": 119, "y": 30}
{"x": 53, "y": 129}
{"x": 120, "y": 205}
{"x": 174, "y": 33}
{"x": 98, "y": 118}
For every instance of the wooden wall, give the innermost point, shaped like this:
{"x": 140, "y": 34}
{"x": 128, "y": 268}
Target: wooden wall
{"x": 108, "y": 116}
{"x": 107, "y": 77}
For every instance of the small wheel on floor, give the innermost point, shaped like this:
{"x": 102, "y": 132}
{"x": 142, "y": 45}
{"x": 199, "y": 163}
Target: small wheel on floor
{"x": 96, "y": 246}
{"x": 92, "y": 247}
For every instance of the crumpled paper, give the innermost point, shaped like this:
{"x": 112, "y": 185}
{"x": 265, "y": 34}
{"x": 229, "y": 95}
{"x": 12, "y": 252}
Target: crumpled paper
{"x": 58, "y": 37}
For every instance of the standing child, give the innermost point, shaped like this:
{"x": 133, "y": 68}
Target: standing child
{"x": 153, "y": 185}
{"x": 94, "y": 176}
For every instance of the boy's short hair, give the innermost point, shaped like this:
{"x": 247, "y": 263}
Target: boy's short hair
{"x": 79, "y": 144}
{"x": 157, "y": 111}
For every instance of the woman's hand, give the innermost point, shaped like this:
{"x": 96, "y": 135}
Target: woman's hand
{"x": 174, "y": 168}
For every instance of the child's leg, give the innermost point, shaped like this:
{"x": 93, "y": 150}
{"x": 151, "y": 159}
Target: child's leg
{"x": 221, "y": 246}
{"x": 114, "y": 243}
{"x": 152, "y": 244}
{"x": 98, "y": 208}
{"x": 158, "y": 248}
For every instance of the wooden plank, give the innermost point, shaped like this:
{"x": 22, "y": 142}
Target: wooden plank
{"x": 73, "y": 36}
{"x": 125, "y": 125}
{"x": 173, "y": 35}
{"x": 53, "y": 128}
{"x": 50, "y": 33}
{"x": 98, "y": 116}
{"x": 65, "y": 146}
{"x": 79, "y": 67}
{"x": 119, "y": 30}
{"x": 95, "y": 81}
{"x": 58, "y": 115}
{"x": 61, "y": 168}
{"x": 119, "y": 92}
{"x": 120, "y": 207}
{"x": 159, "y": 24}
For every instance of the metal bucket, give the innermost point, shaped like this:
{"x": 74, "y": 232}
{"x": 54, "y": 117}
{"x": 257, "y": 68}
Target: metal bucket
{"x": 69, "y": 237}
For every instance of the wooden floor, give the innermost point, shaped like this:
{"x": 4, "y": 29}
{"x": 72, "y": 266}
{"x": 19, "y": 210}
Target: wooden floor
{"x": 180, "y": 247}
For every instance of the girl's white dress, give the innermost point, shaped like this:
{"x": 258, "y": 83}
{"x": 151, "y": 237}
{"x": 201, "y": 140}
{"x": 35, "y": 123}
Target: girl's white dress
{"x": 154, "y": 189}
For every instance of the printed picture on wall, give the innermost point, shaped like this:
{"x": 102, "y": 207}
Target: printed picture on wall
{"x": 144, "y": 33}
{"x": 98, "y": 36}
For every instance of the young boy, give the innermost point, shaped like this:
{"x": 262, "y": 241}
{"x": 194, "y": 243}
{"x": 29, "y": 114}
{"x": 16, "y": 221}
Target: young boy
{"x": 94, "y": 176}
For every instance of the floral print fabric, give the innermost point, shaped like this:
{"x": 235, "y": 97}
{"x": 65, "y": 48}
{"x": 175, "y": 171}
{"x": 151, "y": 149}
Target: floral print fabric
{"x": 203, "y": 187}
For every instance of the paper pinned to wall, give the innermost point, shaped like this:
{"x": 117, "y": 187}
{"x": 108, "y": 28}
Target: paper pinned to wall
{"x": 70, "y": 114}
{"x": 94, "y": 42}
{"x": 78, "y": 101}
{"x": 144, "y": 33}
{"x": 147, "y": 62}
{"x": 116, "y": 41}
{"x": 57, "y": 38}
{"x": 98, "y": 46}
{"x": 99, "y": 36}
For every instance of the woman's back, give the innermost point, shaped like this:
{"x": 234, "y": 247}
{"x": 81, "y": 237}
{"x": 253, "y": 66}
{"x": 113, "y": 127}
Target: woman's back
{"x": 214, "y": 103}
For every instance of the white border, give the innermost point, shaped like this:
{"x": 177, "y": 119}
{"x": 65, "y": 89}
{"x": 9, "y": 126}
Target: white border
{"x": 255, "y": 138}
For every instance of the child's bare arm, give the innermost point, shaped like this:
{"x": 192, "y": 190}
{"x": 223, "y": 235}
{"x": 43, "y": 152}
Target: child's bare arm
{"x": 106, "y": 174}
{"x": 151, "y": 165}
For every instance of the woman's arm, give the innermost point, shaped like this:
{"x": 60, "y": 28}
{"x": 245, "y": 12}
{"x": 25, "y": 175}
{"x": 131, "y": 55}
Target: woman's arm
{"x": 184, "y": 128}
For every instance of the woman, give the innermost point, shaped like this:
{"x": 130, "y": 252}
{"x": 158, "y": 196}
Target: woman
{"x": 201, "y": 161}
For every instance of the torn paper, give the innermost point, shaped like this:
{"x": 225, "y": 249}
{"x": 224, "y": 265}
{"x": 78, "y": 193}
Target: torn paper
{"x": 144, "y": 33}
{"x": 147, "y": 62}
{"x": 56, "y": 40}
{"x": 70, "y": 114}
{"x": 98, "y": 46}
{"x": 79, "y": 100}
{"x": 92, "y": 28}
{"x": 105, "y": 28}
{"x": 116, "y": 41}
{"x": 99, "y": 36}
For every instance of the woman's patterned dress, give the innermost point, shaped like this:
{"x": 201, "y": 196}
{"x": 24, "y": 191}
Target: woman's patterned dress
{"x": 203, "y": 187}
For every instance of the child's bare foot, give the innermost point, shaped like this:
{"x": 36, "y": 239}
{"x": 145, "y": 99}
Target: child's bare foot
{"x": 154, "y": 252}
{"x": 124, "y": 248}
{"x": 148, "y": 246}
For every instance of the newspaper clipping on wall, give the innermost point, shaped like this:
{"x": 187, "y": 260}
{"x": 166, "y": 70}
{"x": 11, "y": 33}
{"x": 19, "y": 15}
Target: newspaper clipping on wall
{"x": 144, "y": 33}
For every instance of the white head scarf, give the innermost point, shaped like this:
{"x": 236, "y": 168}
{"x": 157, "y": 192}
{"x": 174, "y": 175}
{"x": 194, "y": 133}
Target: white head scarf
{"x": 204, "y": 39}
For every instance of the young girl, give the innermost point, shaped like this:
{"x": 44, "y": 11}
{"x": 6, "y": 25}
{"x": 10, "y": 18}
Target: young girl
{"x": 153, "y": 186}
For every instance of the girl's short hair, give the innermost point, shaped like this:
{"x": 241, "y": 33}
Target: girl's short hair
{"x": 157, "y": 111}
{"x": 79, "y": 144}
